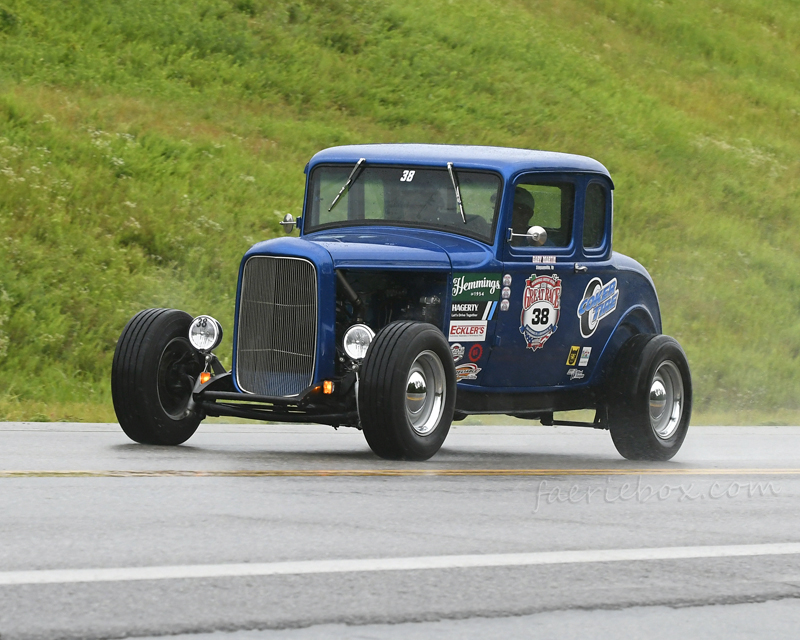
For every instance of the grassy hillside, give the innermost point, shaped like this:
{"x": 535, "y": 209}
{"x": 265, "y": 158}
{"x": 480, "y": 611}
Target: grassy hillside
{"x": 144, "y": 146}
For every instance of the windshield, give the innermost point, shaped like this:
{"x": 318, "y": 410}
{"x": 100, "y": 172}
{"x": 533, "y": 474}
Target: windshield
{"x": 403, "y": 196}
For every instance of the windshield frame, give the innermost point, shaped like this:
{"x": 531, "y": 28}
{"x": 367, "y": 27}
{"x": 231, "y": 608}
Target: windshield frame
{"x": 339, "y": 224}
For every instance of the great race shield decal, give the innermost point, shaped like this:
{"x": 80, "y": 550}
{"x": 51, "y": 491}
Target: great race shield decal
{"x": 541, "y": 309}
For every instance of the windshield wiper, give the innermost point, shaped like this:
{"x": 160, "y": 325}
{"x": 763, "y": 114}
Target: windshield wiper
{"x": 350, "y": 180}
{"x": 458, "y": 192}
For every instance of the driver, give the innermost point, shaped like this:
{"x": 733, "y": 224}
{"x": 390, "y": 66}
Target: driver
{"x": 521, "y": 216}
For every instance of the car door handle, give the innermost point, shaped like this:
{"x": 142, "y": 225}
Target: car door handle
{"x": 579, "y": 268}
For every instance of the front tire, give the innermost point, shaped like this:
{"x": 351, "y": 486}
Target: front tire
{"x": 651, "y": 398}
{"x": 152, "y": 378}
{"x": 407, "y": 391}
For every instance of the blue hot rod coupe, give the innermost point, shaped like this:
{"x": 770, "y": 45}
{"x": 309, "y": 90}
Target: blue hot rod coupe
{"x": 428, "y": 283}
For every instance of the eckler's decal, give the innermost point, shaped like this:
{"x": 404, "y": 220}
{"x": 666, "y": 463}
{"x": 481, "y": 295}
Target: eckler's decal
{"x": 458, "y": 352}
{"x": 472, "y": 310}
{"x": 475, "y": 352}
{"x": 572, "y": 358}
{"x": 586, "y": 353}
{"x": 598, "y": 301}
{"x": 575, "y": 374}
{"x": 470, "y": 330}
{"x": 541, "y": 309}
{"x": 476, "y": 286}
{"x": 543, "y": 259}
{"x": 467, "y": 372}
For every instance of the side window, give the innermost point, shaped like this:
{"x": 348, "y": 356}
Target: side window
{"x": 594, "y": 216}
{"x": 549, "y": 205}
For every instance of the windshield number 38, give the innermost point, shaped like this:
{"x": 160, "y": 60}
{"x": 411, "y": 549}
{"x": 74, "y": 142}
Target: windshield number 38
{"x": 407, "y": 176}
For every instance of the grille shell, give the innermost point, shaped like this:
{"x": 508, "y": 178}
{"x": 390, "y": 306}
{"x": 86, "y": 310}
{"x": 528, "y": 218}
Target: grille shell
{"x": 277, "y": 326}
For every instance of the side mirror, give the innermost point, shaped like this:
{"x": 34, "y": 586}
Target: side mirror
{"x": 537, "y": 236}
{"x": 288, "y": 223}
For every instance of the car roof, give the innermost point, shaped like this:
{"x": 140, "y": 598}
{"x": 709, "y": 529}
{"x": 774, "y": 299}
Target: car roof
{"x": 506, "y": 161}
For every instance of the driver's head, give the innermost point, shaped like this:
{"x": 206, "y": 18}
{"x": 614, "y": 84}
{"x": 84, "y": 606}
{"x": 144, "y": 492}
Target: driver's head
{"x": 523, "y": 210}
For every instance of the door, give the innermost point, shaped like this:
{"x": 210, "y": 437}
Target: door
{"x": 559, "y": 294}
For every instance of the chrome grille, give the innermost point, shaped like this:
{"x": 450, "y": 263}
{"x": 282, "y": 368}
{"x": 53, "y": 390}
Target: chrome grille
{"x": 277, "y": 333}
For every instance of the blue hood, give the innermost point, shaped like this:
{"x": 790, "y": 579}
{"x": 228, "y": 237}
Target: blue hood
{"x": 401, "y": 248}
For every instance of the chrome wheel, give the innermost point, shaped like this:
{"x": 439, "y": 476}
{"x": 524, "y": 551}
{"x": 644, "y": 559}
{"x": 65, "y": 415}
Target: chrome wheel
{"x": 425, "y": 393}
{"x": 666, "y": 400}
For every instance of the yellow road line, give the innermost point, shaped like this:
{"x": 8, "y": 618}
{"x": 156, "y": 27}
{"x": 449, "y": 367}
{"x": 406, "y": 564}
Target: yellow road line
{"x": 316, "y": 473}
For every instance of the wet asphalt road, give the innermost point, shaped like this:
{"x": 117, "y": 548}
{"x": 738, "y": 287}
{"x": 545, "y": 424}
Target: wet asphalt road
{"x": 249, "y": 497}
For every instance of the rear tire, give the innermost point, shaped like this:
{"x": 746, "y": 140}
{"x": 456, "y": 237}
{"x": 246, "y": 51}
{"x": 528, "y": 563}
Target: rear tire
{"x": 152, "y": 378}
{"x": 407, "y": 391}
{"x": 651, "y": 398}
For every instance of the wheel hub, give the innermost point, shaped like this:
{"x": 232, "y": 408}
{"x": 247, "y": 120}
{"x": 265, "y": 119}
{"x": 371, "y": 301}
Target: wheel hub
{"x": 178, "y": 368}
{"x": 425, "y": 393}
{"x": 666, "y": 400}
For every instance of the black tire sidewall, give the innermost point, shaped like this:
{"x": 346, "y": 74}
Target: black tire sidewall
{"x": 629, "y": 412}
{"x": 169, "y": 430}
{"x": 135, "y": 378}
{"x": 424, "y": 446}
{"x": 382, "y": 391}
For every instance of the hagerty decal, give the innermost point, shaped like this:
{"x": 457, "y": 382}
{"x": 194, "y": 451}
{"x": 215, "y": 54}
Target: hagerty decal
{"x": 476, "y": 286}
{"x": 468, "y": 330}
{"x": 467, "y": 372}
{"x": 541, "y": 309}
{"x": 472, "y": 310}
{"x": 599, "y": 300}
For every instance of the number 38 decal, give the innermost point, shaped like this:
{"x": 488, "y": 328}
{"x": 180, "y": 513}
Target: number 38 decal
{"x": 407, "y": 176}
{"x": 540, "y": 315}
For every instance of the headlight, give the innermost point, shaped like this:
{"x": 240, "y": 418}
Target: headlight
{"x": 205, "y": 333}
{"x": 356, "y": 341}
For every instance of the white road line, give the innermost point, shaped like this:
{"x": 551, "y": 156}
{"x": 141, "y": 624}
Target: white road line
{"x": 123, "y": 574}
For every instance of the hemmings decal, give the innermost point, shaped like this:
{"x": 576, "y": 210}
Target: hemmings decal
{"x": 572, "y": 358}
{"x": 586, "y": 353}
{"x": 541, "y": 309}
{"x": 470, "y": 330}
{"x": 575, "y": 374}
{"x": 472, "y": 310}
{"x": 467, "y": 372}
{"x": 598, "y": 301}
{"x": 458, "y": 352}
{"x": 476, "y": 286}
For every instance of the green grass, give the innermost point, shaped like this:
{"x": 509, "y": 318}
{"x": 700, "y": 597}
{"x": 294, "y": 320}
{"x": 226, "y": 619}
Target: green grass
{"x": 145, "y": 146}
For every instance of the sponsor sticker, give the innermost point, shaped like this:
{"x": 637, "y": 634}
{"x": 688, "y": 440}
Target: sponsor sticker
{"x": 470, "y": 330}
{"x": 541, "y": 309}
{"x": 467, "y": 372}
{"x": 475, "y": 352}
{"x": 458, "y": 352}
{"x": 586, "y": 353}
{"x": 472, "y": 310}
{"x": 543, "y": 259}
{"x": 575, "y": 374}
{"x": 476, "y": 286}
{"x": 572, "y": 358}
{"x": 599, "y": 300}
